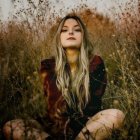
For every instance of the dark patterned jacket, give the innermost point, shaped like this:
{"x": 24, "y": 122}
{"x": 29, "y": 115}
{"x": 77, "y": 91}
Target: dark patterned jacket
{"x": 60, "y": 116}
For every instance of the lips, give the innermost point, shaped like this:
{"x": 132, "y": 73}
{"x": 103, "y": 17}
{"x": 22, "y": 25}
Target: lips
{"x": 71, "y": 38}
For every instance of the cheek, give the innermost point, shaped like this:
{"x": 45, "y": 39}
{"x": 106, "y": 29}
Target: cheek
{"x": 80, "y": 37}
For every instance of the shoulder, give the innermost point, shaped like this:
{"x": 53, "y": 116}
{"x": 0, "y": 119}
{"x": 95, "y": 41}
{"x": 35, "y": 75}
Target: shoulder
{"x": 47, "y": 65}
{"x": 95, "y": 62}
{"x": 96, "y": 59}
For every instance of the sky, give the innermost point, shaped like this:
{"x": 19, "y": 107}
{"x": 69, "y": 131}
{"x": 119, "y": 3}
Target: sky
{"x": 5, "y": 8}
{"x": 107, "y": 7}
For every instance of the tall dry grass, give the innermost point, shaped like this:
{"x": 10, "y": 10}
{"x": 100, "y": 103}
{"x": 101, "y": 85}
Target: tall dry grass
{"x": 20, "y": 57}
{"x": 22, "y": 47}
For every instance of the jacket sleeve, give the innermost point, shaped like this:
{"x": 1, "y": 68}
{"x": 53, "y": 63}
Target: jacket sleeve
{"x": 46, "y": 68}
{"x": 47, "y": 65}
{"x": 98, "y": 81}
{"x": 98, "y": 77}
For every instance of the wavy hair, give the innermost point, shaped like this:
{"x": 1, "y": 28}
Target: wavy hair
{"x": 75, "y": 92}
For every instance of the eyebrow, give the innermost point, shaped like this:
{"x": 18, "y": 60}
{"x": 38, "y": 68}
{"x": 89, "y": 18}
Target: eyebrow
{"x": 74, "y": 26}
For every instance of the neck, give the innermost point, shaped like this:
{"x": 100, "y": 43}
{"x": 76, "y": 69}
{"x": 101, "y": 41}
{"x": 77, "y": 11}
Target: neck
{"x": 72, "y": 58}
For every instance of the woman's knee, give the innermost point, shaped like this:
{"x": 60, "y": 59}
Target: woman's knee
{"x": 23, "y": 129}
{"x": 12, "y": 127}
{"x": 116, "y": 116}
{"x": 7, "y": 130}
{"x": 113, "y": 118}
{"x": 120, "y": 118}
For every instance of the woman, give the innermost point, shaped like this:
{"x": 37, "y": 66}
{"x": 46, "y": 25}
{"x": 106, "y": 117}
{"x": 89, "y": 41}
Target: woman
{"x": 74, "y": 82}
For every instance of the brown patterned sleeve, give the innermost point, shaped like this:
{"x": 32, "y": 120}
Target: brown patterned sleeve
{"x": 46, "y": 67}
{"x": 98, "y": 76}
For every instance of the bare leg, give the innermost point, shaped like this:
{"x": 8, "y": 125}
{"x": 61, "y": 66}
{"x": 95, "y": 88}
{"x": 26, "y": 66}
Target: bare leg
{"x": 24, "y": 130}
{"x": 101, "y": 125}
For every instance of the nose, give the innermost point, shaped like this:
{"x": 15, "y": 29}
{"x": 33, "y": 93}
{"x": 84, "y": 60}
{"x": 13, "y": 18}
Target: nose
{"x": 70, "y": 32}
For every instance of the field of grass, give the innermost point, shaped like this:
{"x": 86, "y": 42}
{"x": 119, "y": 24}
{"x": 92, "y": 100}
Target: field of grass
{"x": 22, "y": 47}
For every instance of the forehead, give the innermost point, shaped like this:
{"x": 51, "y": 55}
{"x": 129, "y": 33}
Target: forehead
{"x": 70, "y": 22}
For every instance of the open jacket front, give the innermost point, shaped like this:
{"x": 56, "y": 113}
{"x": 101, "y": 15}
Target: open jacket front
{"x": 61, "y": 118}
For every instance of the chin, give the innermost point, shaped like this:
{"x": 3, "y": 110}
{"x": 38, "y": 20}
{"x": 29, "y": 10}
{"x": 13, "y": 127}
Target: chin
{"x": 72, "y": 46}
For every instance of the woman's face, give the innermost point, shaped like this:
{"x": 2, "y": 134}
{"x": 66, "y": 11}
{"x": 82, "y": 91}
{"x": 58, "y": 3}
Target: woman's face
{"x": 71, "y": 34}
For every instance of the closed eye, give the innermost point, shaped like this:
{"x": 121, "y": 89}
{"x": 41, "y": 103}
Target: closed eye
{"x": 78, "y": 30}
{"x": 64, "y": 30}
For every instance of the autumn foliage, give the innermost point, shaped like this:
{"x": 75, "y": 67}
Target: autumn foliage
{"x": 24, "y": 44}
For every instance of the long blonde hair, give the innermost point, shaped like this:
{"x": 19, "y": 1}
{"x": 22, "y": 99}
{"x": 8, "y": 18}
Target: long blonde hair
{"x": 76, "y": 92}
